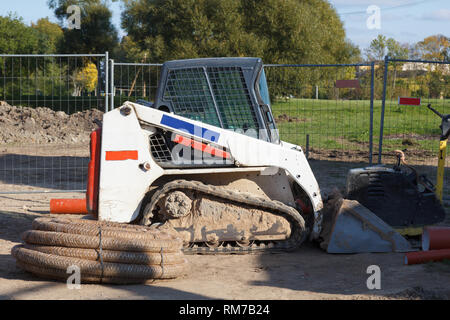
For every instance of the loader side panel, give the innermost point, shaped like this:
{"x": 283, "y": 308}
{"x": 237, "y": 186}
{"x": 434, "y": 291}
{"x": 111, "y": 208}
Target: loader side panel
{"x": 127, "y": 167}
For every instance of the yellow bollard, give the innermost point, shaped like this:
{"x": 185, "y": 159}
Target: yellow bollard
{"x": 441, "y": 167}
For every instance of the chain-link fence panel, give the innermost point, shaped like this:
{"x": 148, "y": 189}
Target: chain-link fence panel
{"x": 406, "y": 122}
{"x": 326, "y": 109}
{"x": 48, "y": 104}
{"x": 133, "y": 82}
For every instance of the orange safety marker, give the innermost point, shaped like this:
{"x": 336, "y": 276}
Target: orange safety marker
{"x": 435, "y": 238}
{"x": 121, "y": 155}
{"x": 68, "y": 206}
{"x": 426, "y": 256}
{"x": 94, "y": 172}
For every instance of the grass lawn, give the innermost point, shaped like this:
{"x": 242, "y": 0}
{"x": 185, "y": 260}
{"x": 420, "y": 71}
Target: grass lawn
{"x": 344, "y": 125}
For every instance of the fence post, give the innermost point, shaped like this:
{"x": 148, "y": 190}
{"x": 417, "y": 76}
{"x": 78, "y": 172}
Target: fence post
{"x": 106, "y": 81}
{"x": 112, "y": 85}
{"x": 383, "y": 105}
{"x": 372, "y": 84}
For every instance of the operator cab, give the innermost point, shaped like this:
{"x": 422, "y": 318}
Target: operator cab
{"x": 230, "y": 93}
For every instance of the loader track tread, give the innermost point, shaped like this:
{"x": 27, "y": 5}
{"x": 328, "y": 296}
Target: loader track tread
{"x": 298, "y": 234}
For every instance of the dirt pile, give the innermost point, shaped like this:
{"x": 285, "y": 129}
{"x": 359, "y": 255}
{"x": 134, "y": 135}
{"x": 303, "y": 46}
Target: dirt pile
{"x": 44, "y": 126}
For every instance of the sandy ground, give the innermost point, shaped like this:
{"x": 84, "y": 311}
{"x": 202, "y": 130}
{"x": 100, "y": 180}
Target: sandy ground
{"x": 307, "y": 273}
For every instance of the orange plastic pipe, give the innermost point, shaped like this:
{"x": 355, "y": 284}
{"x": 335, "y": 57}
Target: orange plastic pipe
{"x": 427, "y": 256}
{"x": 435, "y": 238}
{"x": 68, "y": 206}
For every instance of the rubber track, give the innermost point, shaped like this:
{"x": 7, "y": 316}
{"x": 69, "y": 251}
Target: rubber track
{"x": 298, "y": 233}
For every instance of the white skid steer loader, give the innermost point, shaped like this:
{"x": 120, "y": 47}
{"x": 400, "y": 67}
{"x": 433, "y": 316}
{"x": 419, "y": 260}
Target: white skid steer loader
{"x": 205, "y": 159}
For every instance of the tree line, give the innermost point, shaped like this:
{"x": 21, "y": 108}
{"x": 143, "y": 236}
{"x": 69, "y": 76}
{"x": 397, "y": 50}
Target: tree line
{"x": 290, "y": 31}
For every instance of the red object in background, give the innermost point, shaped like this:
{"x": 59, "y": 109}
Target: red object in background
{"x": 426, "y": 256}
{"x": 435, "y": 238}
{"x": 403, "y": 101}
{"x": 68, "y": 206}
{"x": 348, "y": 84}
{"x": 94, "y": 173}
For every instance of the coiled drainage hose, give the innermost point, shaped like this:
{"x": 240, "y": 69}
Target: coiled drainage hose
{"x": 104, "y": 252}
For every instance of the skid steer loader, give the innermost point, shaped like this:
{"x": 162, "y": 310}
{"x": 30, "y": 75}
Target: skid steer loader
{"x": 205, "y": 159}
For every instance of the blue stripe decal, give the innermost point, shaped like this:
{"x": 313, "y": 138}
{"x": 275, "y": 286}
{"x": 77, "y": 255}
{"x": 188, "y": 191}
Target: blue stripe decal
{"x": 190, "y": 128}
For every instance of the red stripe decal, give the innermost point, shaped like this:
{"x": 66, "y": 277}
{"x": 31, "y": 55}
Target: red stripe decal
{"x": 121, "y": 155}
{"x": 201, "y": 146}
{"x": 408, "y": 101}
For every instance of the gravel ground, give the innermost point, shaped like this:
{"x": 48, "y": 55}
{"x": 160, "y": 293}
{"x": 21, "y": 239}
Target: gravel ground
{"x": 41, "y": 149}
{"x": 307, "y": 273}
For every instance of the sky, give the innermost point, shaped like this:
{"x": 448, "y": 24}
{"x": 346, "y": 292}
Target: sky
{"x": 407, "y": 21}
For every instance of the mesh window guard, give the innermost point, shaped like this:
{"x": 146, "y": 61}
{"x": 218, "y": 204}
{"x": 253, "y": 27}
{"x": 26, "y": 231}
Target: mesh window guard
{"x": 233, "y": 98}
{"x": 189, "y": 93}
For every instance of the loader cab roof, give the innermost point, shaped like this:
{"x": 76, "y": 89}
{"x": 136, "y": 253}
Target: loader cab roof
{"x": 223, "y": 62}
{"x": 230, "y": 93}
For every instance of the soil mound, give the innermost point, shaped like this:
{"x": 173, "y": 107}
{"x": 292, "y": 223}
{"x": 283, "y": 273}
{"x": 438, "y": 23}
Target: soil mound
{"x": 43, "y": 126}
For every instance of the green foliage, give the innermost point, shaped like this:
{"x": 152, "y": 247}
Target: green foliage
{"x": 87, "y": 78}
{"x": 290, "y": 31}
{"x": 395, "y": 50}
{"x": 344, "y": 124}
{"x": 16, "y": 37}
{"x": 97, "y": 33}
{"x": 129, "y": 51}
{"x": 382, "y": 46}
{"x": 50, "y": 35}
{"x": 278, "y": 31}
{"x": 21, "y": 76}
{"x": 417, "y": 80}
{"x": 436, "y": 47}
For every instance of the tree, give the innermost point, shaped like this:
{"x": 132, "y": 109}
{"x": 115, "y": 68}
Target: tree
{"x": 435, "y": 47}
{"x": 50, "y": 35}
{"x": 129, "y": 51}
{"x": 86, "y": 78}
{"x": 382, "y": 46}
{"x": 377, "y": 48}
{"x": 278, "y": 31}
{"x": 395, "y": 50}
{"x": 97, "y": 33}
{"x": 289, "y": 31}
{"x": 16, "y": 37}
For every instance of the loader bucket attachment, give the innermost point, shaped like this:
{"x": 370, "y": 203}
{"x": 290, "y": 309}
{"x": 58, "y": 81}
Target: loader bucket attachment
{"x": 352, "y": 228}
